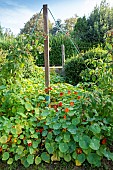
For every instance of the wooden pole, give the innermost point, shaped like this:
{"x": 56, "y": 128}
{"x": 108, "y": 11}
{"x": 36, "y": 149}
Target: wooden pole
{"x": 46, "y": 46}
{"x": 63, "y": 55}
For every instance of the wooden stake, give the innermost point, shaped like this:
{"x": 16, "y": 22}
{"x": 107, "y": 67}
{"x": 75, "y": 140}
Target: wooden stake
{"x": 63, "y": 55}
{"x": 46, "y": 46}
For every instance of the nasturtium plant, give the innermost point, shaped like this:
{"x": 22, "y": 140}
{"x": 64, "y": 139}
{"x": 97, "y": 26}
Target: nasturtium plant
{"x": 44, "y": 124}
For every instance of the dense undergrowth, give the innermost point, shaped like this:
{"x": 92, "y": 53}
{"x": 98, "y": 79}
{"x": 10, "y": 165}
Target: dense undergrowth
{"x": 38, "y": 124}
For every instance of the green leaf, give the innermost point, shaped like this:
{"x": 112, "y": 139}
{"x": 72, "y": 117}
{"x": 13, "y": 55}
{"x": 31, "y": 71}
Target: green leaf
{"x": 41, "y": 98}
{"x": 2, "y": 87}
{"x": 4, "y": 146}
{"x": 84, "y": 142}
{"x": 17, "y": 157}
{"x": 72, "y": 129}
{"x": 67, "y": 157}
{"x": 19, "y": 150}
{"x": 66, "y": 137}
{"x": 3, "y": 139}
{"x": 36, "y": 111}
{"x": 76, "y": 121}
{"x": 28, "y": 106}
{"x": 5, "y": 156}
{"x": 56, "y": 126}
{"x": 49, "y": 148}
{"x": 95, "y": 143}
{"x": 30, "y": 159}
{"x": 37, "y": 160}
{"x": 49, "y": 136}
{"x": 35, "y": 144}
{"x": 74, "y": 155}
{"x": 31, "y": 150}
{"x": 13, "y": 131}
{"x": 45, "y": 113}
{"x": 21, "y": 136}
{"x": 44, "y": 133}
{"x": 94, "y": 159}
{"x": 45, "y": 157}
{"x": 63, "y": 147}
{"x": 95, "y": 128}
{"x": 22, "y": 114}
{"x": 81, "y": 157}
{"x": 76, "y": 137}
{"x": 58, "y": 138}
{"x": 71, "y": 113}
{"x": 10, "y": 161}
{"x": 25, "y": 163}
{"x": 32, "y": 130}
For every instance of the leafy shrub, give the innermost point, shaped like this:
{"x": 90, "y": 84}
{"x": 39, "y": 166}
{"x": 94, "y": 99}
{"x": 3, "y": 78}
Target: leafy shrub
{"x": 87, "y": 62}
{"x": 73, "y": 68}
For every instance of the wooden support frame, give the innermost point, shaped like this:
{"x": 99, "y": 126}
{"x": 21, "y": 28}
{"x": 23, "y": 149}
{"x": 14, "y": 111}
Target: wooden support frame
{"x": 46, "y": 46}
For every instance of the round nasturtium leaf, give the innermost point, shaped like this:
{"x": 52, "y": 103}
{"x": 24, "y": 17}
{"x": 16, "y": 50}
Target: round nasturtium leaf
{"x": 95, "y": 143}
{"x": 35, "y": 144}
{"x": 56, "y": 126}
{"x": 72, "y": 129}
{"x": 94, "y": 159}
{"x": 30, "y": 159}
{"x": 95, "y": 128}
{"x": 3, "y": 139}
{"x": 67, "y": 157}
{"x": 49, "y": 148}
{"x": 74, "y": 155}
{"x": 66, "y": 137}
{"x": 5, "y": 156}
{"x": 28, "y": 106}
{"x": 25, "y": 163}
{"x": 10, "y": 161}
{"x": 63, "y": 147}
{"x": 81, "y": 157}
{"x": 37, "y": 160}
{"x": 76, "y": 121}
{"x": 84, "y": 142}
{"x": 45, "y": 157}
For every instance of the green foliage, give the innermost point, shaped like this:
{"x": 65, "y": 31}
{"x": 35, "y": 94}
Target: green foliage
{"x": 76, "y": 124}
{"x": 73, "y": 68}
{"x": 84, "y": 67}
{"x": 39, "y": 132}
{"x": 90, "y": 32}
{"x": 55, "y": 48}
{"x": 35, "y": 23}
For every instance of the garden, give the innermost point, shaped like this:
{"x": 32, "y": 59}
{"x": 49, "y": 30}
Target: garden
{"x": 71, "y": 130}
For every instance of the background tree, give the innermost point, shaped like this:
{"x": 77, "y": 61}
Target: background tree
{"x": 37, "y": 22}
{"x": 70, "y": 23}
{"x": 58, "y": 27}
{"x": 91, "y": 31}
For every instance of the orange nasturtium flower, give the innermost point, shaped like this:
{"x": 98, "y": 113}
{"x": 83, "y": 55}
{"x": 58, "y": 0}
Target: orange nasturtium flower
{"x": 104, "y": 141}
{"x": 69, "y": 92}
{"x": 64, "y": 116}
{"x": 61, "y": 93}
{"x": 71, "y": 103}
{"x": 78, "y": 97}
{"x": 78, "y": 150}
{"x": 66, "y": 110}
{"x": 75, "y": 92}
{"x": 60, "y": 104}
{"x": 0, "y": 149}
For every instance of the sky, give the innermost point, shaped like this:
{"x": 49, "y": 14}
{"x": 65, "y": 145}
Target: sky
{"x": 15, "y": 13}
